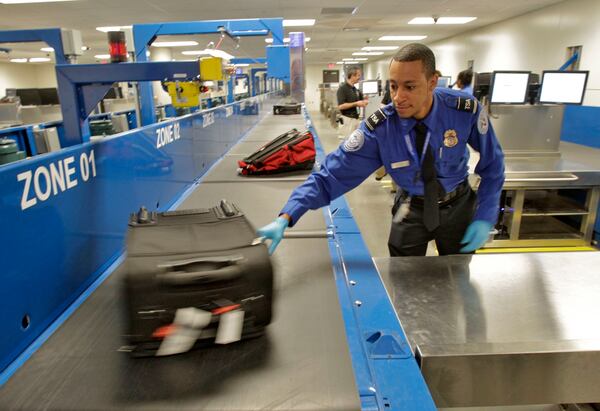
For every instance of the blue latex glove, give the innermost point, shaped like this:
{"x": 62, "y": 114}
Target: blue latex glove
{"x": 274, "y": 232}
{"x": 476, "y": 235}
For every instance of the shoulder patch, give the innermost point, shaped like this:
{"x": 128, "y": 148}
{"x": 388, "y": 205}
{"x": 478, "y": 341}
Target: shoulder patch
{"x": 375, "y": 119}
{"x": 483, "y": 122}
{"x": 466, "y": 104}
{"x": 355, "y": 141}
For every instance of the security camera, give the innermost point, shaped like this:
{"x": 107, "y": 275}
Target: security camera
{"x": 435, "y": 19}
{"x": 368, "y": 41}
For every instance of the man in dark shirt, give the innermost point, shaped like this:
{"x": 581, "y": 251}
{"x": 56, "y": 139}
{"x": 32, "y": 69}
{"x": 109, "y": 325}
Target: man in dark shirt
{"x": 350, "y": 99}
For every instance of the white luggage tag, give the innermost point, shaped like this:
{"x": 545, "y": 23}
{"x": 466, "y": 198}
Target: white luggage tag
{"x": 230, "y": 327}
{"x": 188, "y": 323}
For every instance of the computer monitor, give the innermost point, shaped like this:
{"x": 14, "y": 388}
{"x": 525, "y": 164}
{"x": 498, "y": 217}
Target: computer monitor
{"x": 29, "y": 96}
{"x": 370, "y": 87}
{"x": 509, "y": 87}
{"x": 49, "y": 96}
{"x": 11, "y": 92}
{"x": 563, "y": 87}
{"x": 444, "y": 81}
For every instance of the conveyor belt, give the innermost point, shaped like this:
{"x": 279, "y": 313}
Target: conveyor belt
{"x": 301, "y": 363}
{"x": 510, "y": 329}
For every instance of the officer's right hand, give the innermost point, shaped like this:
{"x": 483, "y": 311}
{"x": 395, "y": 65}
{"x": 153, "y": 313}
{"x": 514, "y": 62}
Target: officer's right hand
{"x": 362, "y": 103}
{"x": 274, "y": 232}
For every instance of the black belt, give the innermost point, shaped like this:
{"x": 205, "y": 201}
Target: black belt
{"x": 461, "y": 189}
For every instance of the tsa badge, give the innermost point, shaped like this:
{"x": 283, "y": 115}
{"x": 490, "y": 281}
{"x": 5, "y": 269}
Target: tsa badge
{"x": 450, "y": 138}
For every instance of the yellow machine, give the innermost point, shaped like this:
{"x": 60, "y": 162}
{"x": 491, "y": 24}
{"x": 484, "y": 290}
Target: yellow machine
{"x": 187, "y": 93}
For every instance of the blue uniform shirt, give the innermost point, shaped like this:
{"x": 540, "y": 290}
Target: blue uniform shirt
{"x": 455, "y": 120}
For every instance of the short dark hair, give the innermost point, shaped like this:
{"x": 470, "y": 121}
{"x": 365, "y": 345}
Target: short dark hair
{"x": 465, "y": 77}
{"x": 352, "y": 71}
{"x": 417, "y": 52}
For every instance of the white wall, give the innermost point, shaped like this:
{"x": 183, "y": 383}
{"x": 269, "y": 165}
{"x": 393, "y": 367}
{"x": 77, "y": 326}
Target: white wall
{"x": 535, "y": 41}
{"x": 25, "y": 75}
{"x": 314, "y": 77}
{"x": 45, "y": 75}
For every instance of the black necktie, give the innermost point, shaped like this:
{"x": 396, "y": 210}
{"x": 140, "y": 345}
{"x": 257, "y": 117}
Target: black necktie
{"x": 431, "y": 211}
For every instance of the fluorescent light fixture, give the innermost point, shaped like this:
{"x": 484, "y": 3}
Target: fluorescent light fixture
{"x": 298, "y": 22}
{"x": 174, "y": 43}
{"x": 47, "y": 49}
{"x": 367, "y": 53}
{"x": 85, "y": 48}
{"x": 286, "y": 40}
{"x": 28, "y": 1}
{"x": 454, "y": 20}
{"x": 241, "y": 64}
{"x": 356, "y": 59}
{"x": 422, "y": 20}
{"x": 441, "y": 20}
{"x": 106, "y": 29}
{"x": 380, "y": 48}
{"x": 38, "y": 59}
{"x": 18, "y": 60}
{"x": 102, "y": 56}
{"x": 208, "y": 52}
{"x": 401, "y": 38}
{"x": 341, "y": 62}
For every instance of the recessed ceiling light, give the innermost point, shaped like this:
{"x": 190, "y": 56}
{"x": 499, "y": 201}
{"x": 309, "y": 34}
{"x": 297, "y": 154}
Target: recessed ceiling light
{"x": 422, "y": 20}
{"x": 441, "y": 20}
{"x": 285, "y": 40}
{"x": 102, "y": 56}
{"x": 18, "y": 60}
{"x": 454, "y": 20}
{"x": 380, "y": 48}
{"x": 47, "y": 49}
{"x": 298, "y": 22}
{"x": 85, "y": 48}
{"x": 28, "y": 1}
{"x": 174, "y": 43}
{"x": 367, "y": 53}
{"x": 209, "y": 52}
{"x": 106, "y": 29}
{"x": 401, "y": 38}
{"x": 38, "y": 59}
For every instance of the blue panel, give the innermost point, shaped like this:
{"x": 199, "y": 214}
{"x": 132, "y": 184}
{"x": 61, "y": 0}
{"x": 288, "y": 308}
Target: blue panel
{"x": 58, "y": 237}
{"x": 278, "y": 58}
{"x": 581, "y": 125}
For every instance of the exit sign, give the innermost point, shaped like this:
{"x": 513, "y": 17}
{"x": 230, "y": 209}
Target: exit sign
{"x": 331, "y": 66}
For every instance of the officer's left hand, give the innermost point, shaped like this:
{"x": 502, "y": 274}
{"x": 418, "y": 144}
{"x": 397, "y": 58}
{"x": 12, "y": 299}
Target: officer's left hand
{"x": 476, "y": 235}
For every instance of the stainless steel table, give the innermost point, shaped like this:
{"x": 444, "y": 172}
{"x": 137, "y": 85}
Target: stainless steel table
{"x": 501, "y": 329}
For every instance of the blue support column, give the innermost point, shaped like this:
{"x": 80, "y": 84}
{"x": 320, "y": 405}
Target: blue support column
{"x": 230, "y": 88}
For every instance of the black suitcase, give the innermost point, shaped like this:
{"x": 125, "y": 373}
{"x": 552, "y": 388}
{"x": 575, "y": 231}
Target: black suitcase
{"x": 194, "y": 278}
{"x": 290, "y": 108}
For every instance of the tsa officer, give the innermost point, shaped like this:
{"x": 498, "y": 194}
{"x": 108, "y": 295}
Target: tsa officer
{"x": 421, "y": 139}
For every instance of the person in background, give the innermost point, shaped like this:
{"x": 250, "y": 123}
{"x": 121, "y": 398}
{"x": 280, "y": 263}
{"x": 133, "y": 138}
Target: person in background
{"x": 350, "y": 100}
{"x": 422, "y": 141}
{"x": 464, "y": 81}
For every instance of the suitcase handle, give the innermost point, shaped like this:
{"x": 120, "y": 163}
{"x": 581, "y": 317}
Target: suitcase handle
{"x": 175, "y": 277}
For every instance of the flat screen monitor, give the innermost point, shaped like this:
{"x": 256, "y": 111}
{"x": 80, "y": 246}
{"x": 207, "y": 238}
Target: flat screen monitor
{"x": 29, "y": 96}
{"x": 11, "y": 92}
{"x": 49, "y": 96}
{"x": 370, "y": 87}
{"x": 444, "y": 81}
{"x": 509, "y": 87}
{"x": 563, "y": 87}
